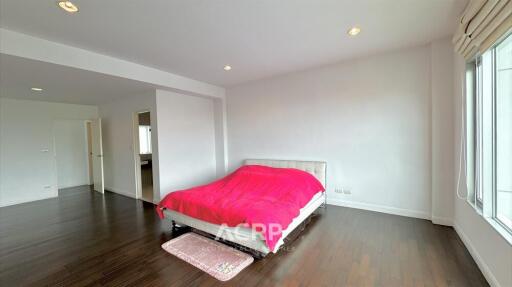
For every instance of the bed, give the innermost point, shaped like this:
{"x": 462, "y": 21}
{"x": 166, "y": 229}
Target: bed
{"x": 244, "y": 236}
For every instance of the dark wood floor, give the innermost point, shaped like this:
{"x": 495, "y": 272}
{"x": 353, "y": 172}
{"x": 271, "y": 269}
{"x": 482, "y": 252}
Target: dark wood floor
{"x": 84, "y": 238}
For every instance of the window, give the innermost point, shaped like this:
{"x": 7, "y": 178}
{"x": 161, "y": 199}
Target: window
{"x": 145, "y": 139}
{"x": 489, "y": 133}
{"x": 504, "y": 132}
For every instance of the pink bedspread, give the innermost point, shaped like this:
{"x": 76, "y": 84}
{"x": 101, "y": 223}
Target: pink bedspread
{"x": 256, "y": 195}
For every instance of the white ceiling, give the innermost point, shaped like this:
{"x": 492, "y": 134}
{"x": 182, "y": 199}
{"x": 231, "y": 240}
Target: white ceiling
{"x": 259, "y": 38}
{"x": 62, "y": 84}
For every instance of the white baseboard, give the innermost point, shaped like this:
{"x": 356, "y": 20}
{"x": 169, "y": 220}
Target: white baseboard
{"x": 127, "y": 194}
{"x": 379, "y": 208}
{"x": 73, "y": 185}
{"x": 16, "y": 202}
{"x": 442, "y": 221}
{"x": 476, "y": 256}
{"x": 121, "y": 192}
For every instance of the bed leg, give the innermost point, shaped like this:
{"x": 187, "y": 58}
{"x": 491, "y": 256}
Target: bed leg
{"x": 173, "y": 225}
{"x": 257, "y": 255}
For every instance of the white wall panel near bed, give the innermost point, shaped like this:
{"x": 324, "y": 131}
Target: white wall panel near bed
{"x": 186, "y": 141}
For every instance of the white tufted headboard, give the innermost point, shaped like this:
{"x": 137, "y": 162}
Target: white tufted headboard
{"x": 316, "y": 168}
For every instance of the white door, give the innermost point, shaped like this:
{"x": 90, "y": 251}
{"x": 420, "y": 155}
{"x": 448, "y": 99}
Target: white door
{"x": 97, "y": 155}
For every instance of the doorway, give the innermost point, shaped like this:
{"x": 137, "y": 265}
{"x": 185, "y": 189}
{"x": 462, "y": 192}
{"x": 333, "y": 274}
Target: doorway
{"x": 88, "y": 130}
{"x": 144, "y": 156}
{"x": 78, "y": 154}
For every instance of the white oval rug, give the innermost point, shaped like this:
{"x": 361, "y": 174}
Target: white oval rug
{"x": 218, "y": 260}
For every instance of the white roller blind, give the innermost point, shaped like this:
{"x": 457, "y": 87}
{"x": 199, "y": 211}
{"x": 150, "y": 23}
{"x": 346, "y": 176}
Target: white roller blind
{"x": 482, "y": 24}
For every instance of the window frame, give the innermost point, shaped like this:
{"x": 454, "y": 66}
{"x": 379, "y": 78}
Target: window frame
{"x": 147, "y": 139}
{"x": 483, "y": 200}
{"x": 495, "y": 140}
{"x": 477, "y": 133}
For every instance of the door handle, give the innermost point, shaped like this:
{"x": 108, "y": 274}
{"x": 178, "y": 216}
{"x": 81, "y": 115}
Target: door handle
{"x": 100, "y": 155}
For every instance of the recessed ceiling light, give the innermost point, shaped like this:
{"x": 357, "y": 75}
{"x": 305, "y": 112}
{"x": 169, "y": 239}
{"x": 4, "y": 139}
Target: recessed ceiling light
{"x": 37, "y": 89}
{"x": 68, "y": 6}
{"x": 354, "y": 31}
{"x": 227, "y": 68}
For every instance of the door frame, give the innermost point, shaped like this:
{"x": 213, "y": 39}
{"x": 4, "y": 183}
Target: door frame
{"x": 54, "y": 150}
{"x": 101, "y": 152}
{"x": 136, "y": 154}
{"x": 88, "y": 137}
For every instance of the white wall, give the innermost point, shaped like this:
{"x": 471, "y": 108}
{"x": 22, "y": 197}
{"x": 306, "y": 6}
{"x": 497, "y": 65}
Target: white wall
{"x": 118, "y": 140}
{"x": 183, "y": 138}
{"x": 27, "y": 167}
{"x": 71, "y": 153}
{"x": 369, "y": 119}
{"x": 221, "y": 148}
{"x": 490, "y": 250}
{"x": 442, "y": 132}
{"x": 383, "y": 123}
{"x": 186, "y": 141}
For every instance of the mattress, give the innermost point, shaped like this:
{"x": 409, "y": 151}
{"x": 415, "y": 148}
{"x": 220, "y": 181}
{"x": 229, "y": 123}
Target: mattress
{"x": 244, "y": 235}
